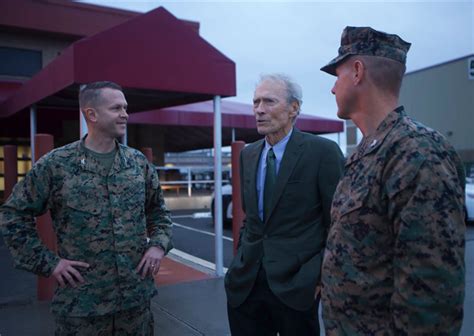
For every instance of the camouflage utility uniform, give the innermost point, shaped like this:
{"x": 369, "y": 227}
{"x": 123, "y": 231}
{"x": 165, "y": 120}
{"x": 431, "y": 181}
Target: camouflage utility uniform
{"x": 394, "y": 261}
{"x": 107, "y": 219}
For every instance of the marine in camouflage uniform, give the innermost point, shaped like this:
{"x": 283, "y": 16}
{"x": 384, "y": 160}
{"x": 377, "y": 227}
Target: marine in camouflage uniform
{"x": 394, "y": 260}
{"x": 107, "y": 218}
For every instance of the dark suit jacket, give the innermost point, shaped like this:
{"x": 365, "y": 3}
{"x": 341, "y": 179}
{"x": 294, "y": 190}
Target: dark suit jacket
{"x": 291, "y": 242}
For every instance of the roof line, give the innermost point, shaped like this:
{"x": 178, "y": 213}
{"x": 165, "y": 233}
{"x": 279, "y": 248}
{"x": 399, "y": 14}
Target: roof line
{"x": 439, "y": 64}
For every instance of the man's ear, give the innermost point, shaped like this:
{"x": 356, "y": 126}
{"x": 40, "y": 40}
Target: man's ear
{"x": 294, "y": 107}
{"x": 90, "y": 114}
{"x": 358, "y": 71}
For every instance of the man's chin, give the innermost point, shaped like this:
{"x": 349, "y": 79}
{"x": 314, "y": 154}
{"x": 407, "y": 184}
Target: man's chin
{"x": 342, "y": 116}
{"x": 120, "y": 135}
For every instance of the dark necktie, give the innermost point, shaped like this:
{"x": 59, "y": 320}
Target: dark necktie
{"x": 270, "y": 182}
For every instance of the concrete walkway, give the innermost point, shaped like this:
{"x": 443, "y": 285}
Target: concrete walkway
{"x": 190, "y": 301}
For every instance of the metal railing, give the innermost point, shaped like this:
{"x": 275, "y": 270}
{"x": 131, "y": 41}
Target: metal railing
{"x": 187, "y": 177}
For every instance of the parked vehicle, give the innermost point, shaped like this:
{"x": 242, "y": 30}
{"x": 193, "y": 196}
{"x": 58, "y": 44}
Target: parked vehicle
{"x": 226, "y": 205}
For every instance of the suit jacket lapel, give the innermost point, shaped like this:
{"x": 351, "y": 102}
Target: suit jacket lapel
{"x": 293, "y": 151}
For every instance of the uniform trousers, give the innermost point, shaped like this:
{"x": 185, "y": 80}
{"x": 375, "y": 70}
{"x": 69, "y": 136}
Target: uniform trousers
{"x": 137, "y": 321}
{"x": 263, "y": 314}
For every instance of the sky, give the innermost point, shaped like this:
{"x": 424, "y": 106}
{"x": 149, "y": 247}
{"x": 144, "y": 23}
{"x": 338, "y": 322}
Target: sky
{"x": 298, "y": 38}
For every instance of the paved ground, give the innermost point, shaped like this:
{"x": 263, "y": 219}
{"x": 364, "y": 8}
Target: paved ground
{"x": 190, "y": 301}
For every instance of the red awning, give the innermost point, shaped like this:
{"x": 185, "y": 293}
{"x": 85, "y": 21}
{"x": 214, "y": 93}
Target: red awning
{"x": 190, "y": 126}
{"x": 159, "y": 61}
{"x": 234, "y": 115}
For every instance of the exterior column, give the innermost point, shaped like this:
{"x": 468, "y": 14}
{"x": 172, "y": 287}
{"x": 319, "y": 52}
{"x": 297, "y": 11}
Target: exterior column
{"x": 148, "y": 152}
{"x": 10, "y": 154}
{"x": 44, "y": 143}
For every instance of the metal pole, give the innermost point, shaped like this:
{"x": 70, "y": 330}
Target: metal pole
{"x": 125, "y": 138}
{"x": 82, "y": 125}
{"x": 233, "y": 135}
{"x": 32, "y": 132}
{"x": 189, "y": 182}
{"x": 218, "y": 186}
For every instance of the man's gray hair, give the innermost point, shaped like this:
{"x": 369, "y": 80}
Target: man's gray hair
{"x": 293, "y": 89}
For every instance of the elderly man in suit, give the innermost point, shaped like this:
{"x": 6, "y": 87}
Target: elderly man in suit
{"x": 288, "y": 181}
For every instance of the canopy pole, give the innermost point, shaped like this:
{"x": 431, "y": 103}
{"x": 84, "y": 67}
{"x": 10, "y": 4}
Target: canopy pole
{"x": 32, "y": 132}
{"x": 233, "y": 135}
{"x": 125, "y": 137}
{"x": 219, "y": 257}
{"x": 82, "y": 125}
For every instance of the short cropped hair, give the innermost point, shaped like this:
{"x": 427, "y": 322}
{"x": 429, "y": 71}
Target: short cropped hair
{"x": 293, "y": 89}
{"x": 385, "y": 73}
{"x": 89, "y": 93}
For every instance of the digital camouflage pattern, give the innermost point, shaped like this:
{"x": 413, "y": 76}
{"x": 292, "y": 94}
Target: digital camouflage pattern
{"x": 370, "y": 42}
{"x": 100, "y": 217}
{"x": 137, "y": 321}
{"x": 394, "y": 260}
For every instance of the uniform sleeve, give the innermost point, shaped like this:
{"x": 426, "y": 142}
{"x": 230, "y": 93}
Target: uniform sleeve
{"x": 159, "y": 224}
{"x": 28, "y": 200}
{"x": 330, "y": 172}
{"x": 426, "y": 209}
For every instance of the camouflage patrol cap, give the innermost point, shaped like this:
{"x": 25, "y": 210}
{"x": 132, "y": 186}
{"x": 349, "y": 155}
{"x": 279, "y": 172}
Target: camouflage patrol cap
{"x": 370, "y": 42}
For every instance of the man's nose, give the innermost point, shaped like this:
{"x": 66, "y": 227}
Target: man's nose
{"x": 258, "y": 108}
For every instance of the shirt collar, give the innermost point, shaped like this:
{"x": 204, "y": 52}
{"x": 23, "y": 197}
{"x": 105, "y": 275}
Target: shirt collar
{"x": 374, "y": 140}
{"x": 279, "y": 147}
{"x": 88, "y": 163}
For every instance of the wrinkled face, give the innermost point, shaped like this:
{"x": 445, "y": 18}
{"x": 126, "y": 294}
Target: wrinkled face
{"x": 273, "y": 113}
{"x": 343, "y": 90}
{"x": 111, "y": 113}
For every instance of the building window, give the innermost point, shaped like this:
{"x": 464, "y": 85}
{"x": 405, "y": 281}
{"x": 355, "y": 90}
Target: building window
{"x": 23, "y": 165}
{"x": 470, "y": 69}
{"x": 20, "y": 62}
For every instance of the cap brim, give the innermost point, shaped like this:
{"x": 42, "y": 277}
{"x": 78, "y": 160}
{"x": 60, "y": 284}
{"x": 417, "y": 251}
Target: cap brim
{"x": 330, "y": 68}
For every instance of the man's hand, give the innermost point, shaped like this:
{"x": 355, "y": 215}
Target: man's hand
{"x": 151, "y": 260}
{"x": 65, "y": 272}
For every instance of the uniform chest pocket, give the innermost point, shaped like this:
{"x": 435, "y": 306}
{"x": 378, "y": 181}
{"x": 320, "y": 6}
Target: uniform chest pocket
{"x": 82, "y": 218}
{"x": 133, "y": 192}
{"x": 87, "y": 205}
{"x": 347, "y": 200}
